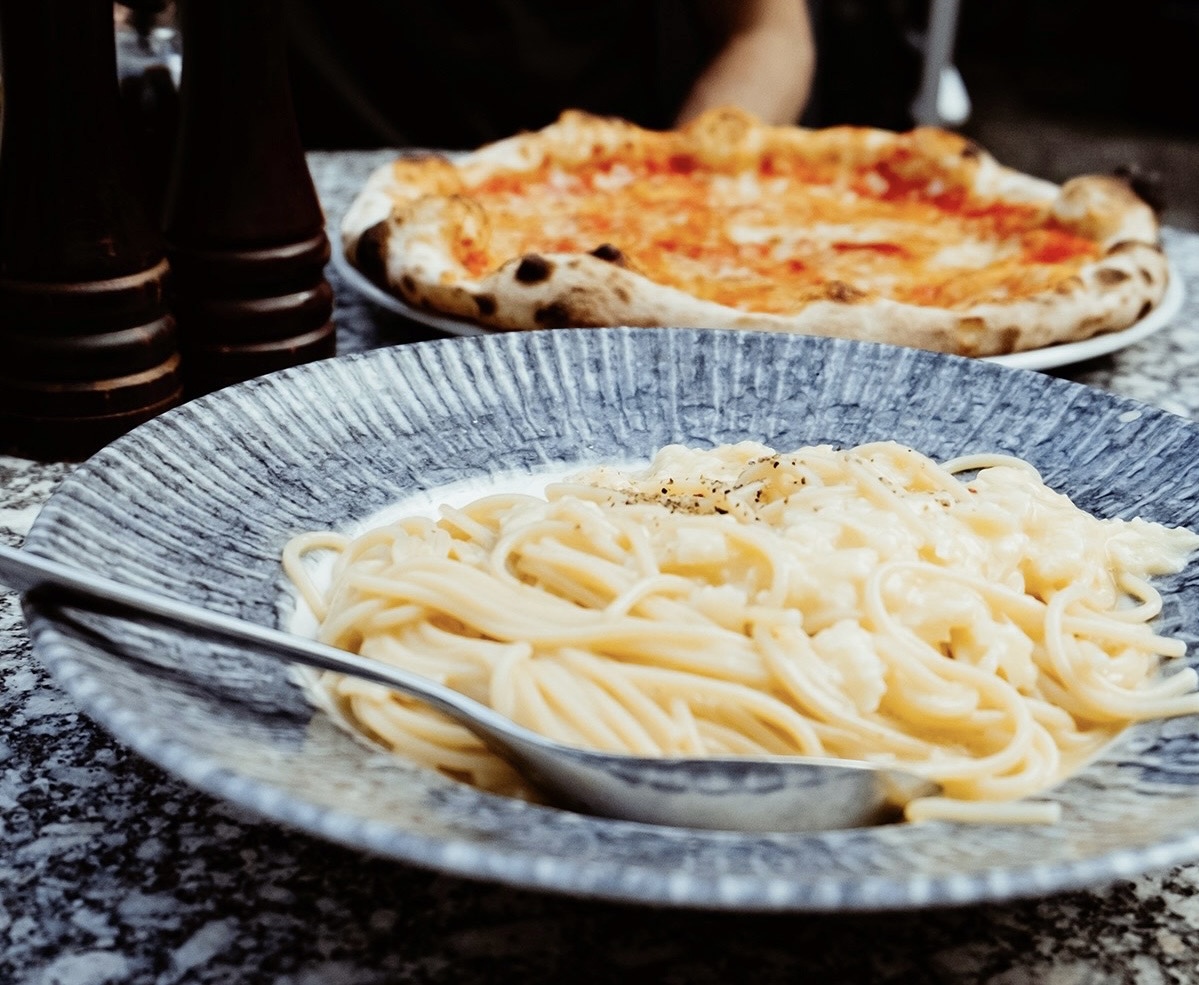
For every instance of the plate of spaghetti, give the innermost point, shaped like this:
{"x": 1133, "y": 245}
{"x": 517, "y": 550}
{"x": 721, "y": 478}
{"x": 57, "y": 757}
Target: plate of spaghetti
{"x": 678, "y": 543}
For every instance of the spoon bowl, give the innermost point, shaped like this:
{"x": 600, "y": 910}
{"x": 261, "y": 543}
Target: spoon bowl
{"x": 777, "y": 793}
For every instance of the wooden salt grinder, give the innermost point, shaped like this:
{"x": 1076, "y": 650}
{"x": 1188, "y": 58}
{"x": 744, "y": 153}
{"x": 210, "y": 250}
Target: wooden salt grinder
{"x": 245, "y": 232}
{"x": 88, "y": 346}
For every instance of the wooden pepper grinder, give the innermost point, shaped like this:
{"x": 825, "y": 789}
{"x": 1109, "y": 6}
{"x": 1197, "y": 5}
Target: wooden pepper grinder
{"x": 245, "y": 232}
{"x": 89, "y": 347}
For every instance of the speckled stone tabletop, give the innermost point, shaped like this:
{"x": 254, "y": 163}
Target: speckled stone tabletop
{"x": 114, "y": 872}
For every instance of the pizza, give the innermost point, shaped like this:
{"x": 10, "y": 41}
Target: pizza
{"x": 919, "y": 239}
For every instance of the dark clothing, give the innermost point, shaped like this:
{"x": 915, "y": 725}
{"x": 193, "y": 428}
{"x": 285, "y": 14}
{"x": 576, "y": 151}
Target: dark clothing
{"x": 458, "y": 73}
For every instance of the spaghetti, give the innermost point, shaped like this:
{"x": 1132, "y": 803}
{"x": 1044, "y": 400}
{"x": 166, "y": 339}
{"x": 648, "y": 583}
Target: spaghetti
{"x": 961, "y": 620}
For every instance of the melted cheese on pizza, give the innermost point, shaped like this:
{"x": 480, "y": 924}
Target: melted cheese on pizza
{"x": 780, "y": 235}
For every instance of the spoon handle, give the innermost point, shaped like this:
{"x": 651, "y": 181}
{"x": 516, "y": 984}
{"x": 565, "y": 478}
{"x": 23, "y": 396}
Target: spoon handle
{"x": 28, "y": 572}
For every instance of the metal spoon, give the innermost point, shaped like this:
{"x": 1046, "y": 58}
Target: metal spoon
{"x": 730, "y": 793}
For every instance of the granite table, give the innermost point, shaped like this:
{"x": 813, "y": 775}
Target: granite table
{"x": 113, "y": 872}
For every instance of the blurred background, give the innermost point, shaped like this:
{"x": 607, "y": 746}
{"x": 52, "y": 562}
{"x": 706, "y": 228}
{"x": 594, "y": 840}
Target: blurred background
{"x": 1052, "y": 87}
{"x": 1063, "y": 87}
{"x": 1055, "y": 87}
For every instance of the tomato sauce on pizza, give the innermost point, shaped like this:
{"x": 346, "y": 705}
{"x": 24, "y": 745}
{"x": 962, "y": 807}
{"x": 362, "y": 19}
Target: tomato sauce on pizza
{"x": 906, "y": 238}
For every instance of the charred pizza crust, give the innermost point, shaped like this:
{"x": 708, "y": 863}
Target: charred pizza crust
{"x": 410, "y": 227}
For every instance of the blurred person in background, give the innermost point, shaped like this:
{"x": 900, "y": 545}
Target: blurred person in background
{"x": 458, "y": 73}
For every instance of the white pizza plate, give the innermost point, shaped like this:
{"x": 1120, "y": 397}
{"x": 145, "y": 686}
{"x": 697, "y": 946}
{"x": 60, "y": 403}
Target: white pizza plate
{"x": 1101, "y": 345}
{"x": 1048, "y": 357}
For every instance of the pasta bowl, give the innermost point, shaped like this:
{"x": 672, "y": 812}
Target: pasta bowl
{"x": 199, "y": 503}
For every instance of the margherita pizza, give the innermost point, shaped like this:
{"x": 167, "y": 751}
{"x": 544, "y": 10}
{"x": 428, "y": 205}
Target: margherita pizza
{"x": 918, "y": 239}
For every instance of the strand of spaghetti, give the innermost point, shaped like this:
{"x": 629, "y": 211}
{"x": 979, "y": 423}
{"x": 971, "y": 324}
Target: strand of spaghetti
{"x": 967, "y": 812}
{"x": 642, "y": 549}
{"x": 398, "y": 719}
{"x": 594, "y": 566}
{"x": 632, "y": 596}
{"x": 532, "y": 710}
{"x": 1106, "y": 628}
{"x": 1069, "y": 701}
{"x": 373, "y": 550}
{"x": 1181, "y": 682}
{"x": 564, "y": 584}
{"x": 567, "y": 701}
{"x": 502, "y": 691}
{"x": 407, "y": 652}
{"x": 989, "y": 460}
{"x": 588, "y": 709}
{"x": 810, "y": 499}
{"x": 774, "y": 593}
{"x": 392, "y": 619}
{"x": 938, "y": 477}
{"x": 594, "y": 526}
{"x": 936, "y": 694}
{"x": 467, "y": 527}
{"x": 413, "y": 727}
{"x": 765, "y": 739}
{"x": 573, "y": 523}
{"x": 687, "y": 646}
{"x": 826, "y": 705}
{"x": 607, "y": 578}
{"x": 688, "y": 729}
{"x": 1122, "y": 668}
{"x": 880, "y": 493}
{"x": 1151, "y": 600}
{"x": 450, "y": 644}
{"x": 774, "y": 584}
{"x": 1028, "y": 612}
{"x": 1031, "y": 614}
{"x": 341, "y": 626}
{"x": 634, "y": 736}
{"x": 1039, "y": 768}
{"x": 662, "y": 728}
{"x": 449, "y": 587}
{"x": 725, "y": 740}
{"x": 999, "y": 693}
{"x": 293, "y": 565}
{"x": 768, "y": 708}
{"x": 1100, "y": 699}
{"x": 579, "y": 532}
{"x": 725, "y": 615}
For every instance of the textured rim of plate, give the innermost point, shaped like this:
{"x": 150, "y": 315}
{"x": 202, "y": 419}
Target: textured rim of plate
{"x": 1048, "y": 357}
{"x": 525, "y": 869}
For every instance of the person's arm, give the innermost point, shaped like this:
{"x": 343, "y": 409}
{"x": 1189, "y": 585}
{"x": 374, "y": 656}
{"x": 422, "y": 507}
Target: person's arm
{"x": 765, "y": 64}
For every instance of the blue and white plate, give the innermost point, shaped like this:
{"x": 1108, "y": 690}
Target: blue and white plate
{"x": 199, "y": 503}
